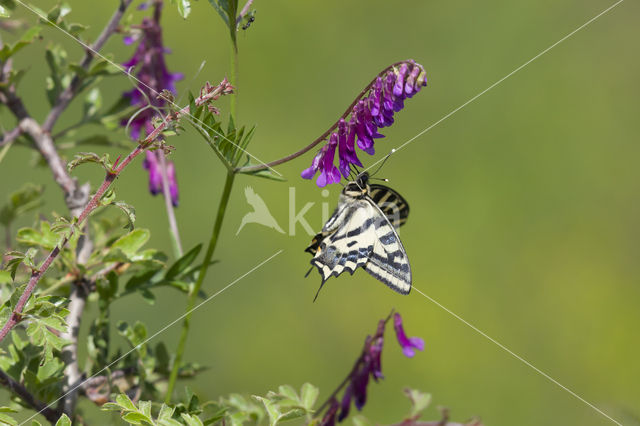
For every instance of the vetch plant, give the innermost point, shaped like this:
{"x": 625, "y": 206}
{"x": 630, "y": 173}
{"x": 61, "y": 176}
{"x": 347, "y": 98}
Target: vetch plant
{"x": 94, "y": 255}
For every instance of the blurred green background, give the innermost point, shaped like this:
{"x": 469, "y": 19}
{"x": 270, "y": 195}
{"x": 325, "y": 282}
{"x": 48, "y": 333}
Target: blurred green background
{"x": 524, "y": 204}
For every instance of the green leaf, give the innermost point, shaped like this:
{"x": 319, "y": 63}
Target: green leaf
{"x": 13, "y": 259}
{"x": 136, "y": 418}
{"x": 5, "y": 277}
{"x": 184, "y": 7}
{"x": 4, "y": 12}
{"x": 92, "y": 104}
{"x": 130, "y": 243}
{"x": 288, "y": 391}
{"x": 183, "y": 263}
{"x": 45, "y": 238}
{"x": 191, "y": 420}
{"x": 39, "y": 330}
{"x": 218, "y": 6}
{"x": 90, "y": 157}
{"x": 295, "y": 413}
{"x": 272, "y": 409}
{"x": 27, "y": 198}
{"x": 27, "y": 38}
{"x": 123, "y": 401}
{"x": 419, "y": 401}
{"x": 309, "y": 395}
{"x": 129, "y": 211}
{"x": 6, "y": 419}
{"x": 63, "y": 421}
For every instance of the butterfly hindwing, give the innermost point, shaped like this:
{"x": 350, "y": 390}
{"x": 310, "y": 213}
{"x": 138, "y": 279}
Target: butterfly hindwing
{"x": 392, "y": 204}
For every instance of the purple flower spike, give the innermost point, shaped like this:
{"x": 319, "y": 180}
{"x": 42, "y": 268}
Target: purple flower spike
{"x": 398, "y": 89}
{"x": 374, "y": 110}
{"x": 173, "y": 183}
{"x": 410, "y": 86}
{"x": 346, "y": 153}
{"x": 408, "y": 344}
{"x": 329, "y": 418}
{"x": 345, "y": 404}
{"x": 155, "y": 175}
{"x": 315, "y": 164}
{"x": 360, "y": 382}
{"x": 329, "y": 172}
{"x": 150, "y": 68}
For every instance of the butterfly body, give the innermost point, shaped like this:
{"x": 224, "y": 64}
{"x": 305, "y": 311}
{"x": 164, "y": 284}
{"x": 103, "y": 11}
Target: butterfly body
{"x": 361, "y": 233}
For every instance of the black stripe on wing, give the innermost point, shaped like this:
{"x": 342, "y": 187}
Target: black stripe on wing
{"x": 392, "y": 204}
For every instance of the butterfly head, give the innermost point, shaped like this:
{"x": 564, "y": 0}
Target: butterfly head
{"x": 358, "y": 187}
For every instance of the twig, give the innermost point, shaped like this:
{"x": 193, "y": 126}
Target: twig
{"x": 72, "y": 374}
{"x": 68, "y": 94}
{"x": 10, "y": 136}
{"x": 24, "y": 394}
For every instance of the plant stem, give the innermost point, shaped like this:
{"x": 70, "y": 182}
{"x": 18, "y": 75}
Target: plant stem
{"x": 173, "y": 225}
{"x": 234, "y": 80}
{"x": 193, "y": 294}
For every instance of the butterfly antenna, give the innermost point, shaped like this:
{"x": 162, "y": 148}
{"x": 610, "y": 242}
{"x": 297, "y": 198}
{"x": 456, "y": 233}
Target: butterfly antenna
{"x": 383, "y": 161}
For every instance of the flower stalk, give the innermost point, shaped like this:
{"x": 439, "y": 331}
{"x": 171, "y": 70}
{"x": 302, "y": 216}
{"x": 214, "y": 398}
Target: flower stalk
{"x": 193, "y": 294}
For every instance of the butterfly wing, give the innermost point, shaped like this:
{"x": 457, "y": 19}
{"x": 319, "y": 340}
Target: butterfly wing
{"x": 392, "y": 204}
{"x": 347, "y": 239}
{"x": 388, "y": 261}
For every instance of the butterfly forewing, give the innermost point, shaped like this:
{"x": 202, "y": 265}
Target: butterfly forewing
{"x": 345, "y": 243}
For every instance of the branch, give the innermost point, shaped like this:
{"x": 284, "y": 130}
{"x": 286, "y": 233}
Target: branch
{"x": 10, "y": 136}
{"x": 69, "y": 93}
{"x": 24, "y": 394}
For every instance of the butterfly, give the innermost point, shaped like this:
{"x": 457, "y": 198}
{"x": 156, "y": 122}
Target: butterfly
{"x": 361, "y": 233}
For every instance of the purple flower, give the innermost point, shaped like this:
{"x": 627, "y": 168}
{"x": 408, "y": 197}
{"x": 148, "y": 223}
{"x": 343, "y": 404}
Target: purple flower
{"x": 368, "y": 365}
{"x": 329, "y": 418}
{"x": 155, "y": 174}
{"x": 345, "y": 404}
{"x": 373, "y": 111}
{"x": 149, "y": 66}
{"x": 408, "y": 343}
{"x": 152, "y": 164}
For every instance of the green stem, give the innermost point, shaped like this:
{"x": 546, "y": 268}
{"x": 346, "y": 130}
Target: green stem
{"x": 234, "y": 80}
{"x": 193, "y": 294}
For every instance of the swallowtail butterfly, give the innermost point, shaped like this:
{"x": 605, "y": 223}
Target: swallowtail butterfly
{"x": 361, "y": 233}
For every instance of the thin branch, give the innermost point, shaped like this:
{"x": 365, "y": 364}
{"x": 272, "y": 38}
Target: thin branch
{"x": 72, "y": 374}
{"x": 10, "y": 136}
{"x": 24, "y": 394}
{"x": 323, "y": 136}
{"x": 69, "y": 93}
